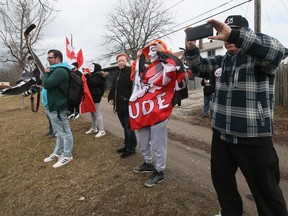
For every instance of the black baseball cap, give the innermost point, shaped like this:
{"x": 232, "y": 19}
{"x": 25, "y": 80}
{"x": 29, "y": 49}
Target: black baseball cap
{"x": 75, "y": 64}
{"x": 236, "y": 21}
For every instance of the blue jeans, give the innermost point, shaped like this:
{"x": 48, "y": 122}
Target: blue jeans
{"x": 206, "y": 108}
{"x": 51, "y": 129}
{"x": 129, "y": 135}
{"x": 64, "y": 138}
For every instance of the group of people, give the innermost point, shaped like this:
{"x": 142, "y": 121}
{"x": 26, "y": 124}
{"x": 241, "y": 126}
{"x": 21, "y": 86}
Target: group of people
{"x": 143, "y": 97}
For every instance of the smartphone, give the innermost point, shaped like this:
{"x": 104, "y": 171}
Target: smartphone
{"x": 199, "y": 32}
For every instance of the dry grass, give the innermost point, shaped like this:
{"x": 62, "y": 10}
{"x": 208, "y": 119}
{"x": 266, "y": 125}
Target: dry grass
{"x": 97, "y": 182}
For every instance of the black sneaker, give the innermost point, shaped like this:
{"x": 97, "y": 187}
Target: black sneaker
{"x": 126, "y": 154}
{"x": 155, "y": 178}
{"x": 144, "y": 168}
{"x": 121, "y": 150}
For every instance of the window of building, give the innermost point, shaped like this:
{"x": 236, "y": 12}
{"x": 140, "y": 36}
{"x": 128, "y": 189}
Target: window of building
{"x": 211, "y": 53}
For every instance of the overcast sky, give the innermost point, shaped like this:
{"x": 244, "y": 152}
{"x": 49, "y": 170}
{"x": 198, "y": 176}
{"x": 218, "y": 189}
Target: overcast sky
{"x": 86, "y": 19}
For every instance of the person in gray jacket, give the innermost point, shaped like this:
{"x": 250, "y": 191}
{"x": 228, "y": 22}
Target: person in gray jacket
{"x": 242, "y": 118}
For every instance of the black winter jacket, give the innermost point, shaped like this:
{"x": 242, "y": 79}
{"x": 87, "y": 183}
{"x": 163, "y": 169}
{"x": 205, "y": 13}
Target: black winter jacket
{"x": 209, "y": 88}
{"x": 96, "y": 85}
{"x": 121, "y": 90}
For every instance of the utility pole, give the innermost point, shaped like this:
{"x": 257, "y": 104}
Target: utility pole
{"x": 257, "y": 15}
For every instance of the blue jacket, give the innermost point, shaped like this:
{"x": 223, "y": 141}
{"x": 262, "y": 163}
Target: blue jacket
{"x": 244, "y": 85}
{"x": 44, "y": 98}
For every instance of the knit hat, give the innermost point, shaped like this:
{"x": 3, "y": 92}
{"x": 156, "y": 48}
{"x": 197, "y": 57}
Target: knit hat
{"x": 236, "y": 21}
{"x": 97, "y": 67}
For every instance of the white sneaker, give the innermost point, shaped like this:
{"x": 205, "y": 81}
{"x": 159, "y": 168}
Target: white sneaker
{"x": 92, "y": 131}
{"x": 71, "y": 116}
{"x": 76, "y": 116}
{"x": 51, "y": 157}
{"x": 62, "y": 161}
{"x": 100, "y": 133}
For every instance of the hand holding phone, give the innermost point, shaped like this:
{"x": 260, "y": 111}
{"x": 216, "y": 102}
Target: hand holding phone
{"x": 199, "y": 32}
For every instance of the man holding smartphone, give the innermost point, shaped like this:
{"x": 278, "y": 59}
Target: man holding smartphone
{"x": 242, "y": 118}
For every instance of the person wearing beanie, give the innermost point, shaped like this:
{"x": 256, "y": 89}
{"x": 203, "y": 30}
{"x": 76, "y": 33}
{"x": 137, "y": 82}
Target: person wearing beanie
{"x": 242, "y": 118}
{"x": 96, "y": 84}
{"x": 119, "y": 96}
{"x": 74, "y": 108}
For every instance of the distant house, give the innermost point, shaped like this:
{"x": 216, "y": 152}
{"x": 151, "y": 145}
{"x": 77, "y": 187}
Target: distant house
{"x": 207, "y": 49}
{"x": 212, "y": 48}
{"x": 4, "y": 85}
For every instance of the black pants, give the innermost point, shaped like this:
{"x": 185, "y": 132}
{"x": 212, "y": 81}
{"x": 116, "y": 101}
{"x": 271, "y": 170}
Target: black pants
{"x": 129, "y": 135}
{"x": 74, "y": 108}
{"x": 260, "y": 167}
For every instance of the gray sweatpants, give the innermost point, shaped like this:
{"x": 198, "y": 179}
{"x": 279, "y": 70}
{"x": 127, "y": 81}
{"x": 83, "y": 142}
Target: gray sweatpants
{"x": 97, "y": 118}
{"x": 153, "y": 140}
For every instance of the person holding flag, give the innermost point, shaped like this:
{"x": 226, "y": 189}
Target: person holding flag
{"x": 156, "y": 90}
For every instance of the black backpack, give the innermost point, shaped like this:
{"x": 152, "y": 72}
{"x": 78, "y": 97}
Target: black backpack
{"x": 76, "y": 88}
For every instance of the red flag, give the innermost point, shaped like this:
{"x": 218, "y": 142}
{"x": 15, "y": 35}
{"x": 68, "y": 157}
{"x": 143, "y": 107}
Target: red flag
{"x": 87, "y": 104}
{"x": 155, "y": 94}
{"x": 69, "y": 50}
{"x": 80, "y": 58}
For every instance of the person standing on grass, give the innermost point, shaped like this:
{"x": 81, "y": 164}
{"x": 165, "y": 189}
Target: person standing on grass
{"x": 56, "y": 82}
{"x": 96, "y": 85}
{"x": 119, "y": 97}
{"x": 242, "y": 118}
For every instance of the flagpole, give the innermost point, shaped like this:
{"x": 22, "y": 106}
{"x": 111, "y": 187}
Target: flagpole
{"x": 72, "y": 42}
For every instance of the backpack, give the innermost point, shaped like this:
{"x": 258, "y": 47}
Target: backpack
{"x": 75, "y": 89}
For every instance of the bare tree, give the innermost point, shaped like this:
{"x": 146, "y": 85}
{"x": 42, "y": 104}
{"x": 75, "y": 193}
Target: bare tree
{"x": 133, "y": 23}
{"x": 8, "y": 73}
{"x": 16, "y": 16}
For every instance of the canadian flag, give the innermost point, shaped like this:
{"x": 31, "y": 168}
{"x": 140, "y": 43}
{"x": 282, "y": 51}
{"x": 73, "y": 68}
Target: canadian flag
{"x": 69, "y": 50}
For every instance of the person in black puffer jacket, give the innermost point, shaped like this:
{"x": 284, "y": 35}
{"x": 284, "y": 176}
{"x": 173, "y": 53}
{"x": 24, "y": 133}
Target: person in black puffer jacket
{"x": 119, "y": 97}
{"x": 96, "y": 85}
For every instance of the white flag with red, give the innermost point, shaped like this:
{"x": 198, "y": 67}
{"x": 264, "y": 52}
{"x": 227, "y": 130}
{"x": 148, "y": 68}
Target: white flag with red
{"x": 69, "y": 50}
